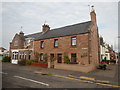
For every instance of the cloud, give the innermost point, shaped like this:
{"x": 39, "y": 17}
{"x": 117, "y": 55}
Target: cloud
{"x": 32, "y": 16}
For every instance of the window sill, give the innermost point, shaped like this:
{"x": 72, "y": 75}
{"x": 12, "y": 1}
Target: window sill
{"x": 73, "y": 46}
{"x": 55, "y": 47}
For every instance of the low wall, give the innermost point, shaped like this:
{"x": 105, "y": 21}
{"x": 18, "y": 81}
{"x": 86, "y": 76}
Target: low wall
{"x": 45, "y": 65}
{"x": 75, "y": 67}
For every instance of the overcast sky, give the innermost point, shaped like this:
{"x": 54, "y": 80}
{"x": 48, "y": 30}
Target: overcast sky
{"x": 31, "y": 16}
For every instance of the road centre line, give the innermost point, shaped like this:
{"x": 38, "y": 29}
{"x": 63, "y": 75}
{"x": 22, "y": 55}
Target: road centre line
{"x": 88, "y": 81}
{"x": 91, "y": 79}
{"x": 32, "y": 80}
{"x": 81, "y": 80}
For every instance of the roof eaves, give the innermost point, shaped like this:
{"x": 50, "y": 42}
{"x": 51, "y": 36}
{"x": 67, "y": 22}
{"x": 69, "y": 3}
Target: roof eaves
{"x": 61, "y": 36}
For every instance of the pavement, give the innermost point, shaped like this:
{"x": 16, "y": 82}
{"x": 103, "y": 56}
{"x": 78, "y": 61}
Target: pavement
{"x": 55, "y": 78}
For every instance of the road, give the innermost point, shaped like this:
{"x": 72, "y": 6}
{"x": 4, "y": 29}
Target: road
{"x": 15, "y": 76}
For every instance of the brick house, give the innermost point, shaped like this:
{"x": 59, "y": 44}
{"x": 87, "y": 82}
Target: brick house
{"x": 79, "y": 42}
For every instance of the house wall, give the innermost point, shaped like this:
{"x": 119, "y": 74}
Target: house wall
{"x": 65, "y": 48}
{"x": 20, "y": 43}
{"x": 73, "y": 67}
{"x": 94, "y": 44}
{"x": 23, "y": 52}
{"x": 19, "y": 46}
{"x": 1, "y": 52}
{"x": 102, "y": 49}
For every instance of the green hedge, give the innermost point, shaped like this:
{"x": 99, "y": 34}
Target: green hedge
{"x": 66, "y": 60}
{"x": 112, "y": 61}
{"x": 29, "y": 62}
{"x": 6, "y": 59}
{"x": 105, "y": 60}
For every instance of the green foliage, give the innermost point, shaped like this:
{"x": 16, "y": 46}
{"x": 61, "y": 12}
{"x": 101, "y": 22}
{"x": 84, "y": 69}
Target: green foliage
{"x": 113, "y": 61}
{"x": 29, "y": 62}
{"x": 22, "y": 62}
{"x": 105, "y": 60}
{"x": 103, "y": 66}
{"x": 66, "y": 60}
{"x": 45, "y": 58}
{"x": 6, "y": 59}
{"x": 36, "y": 56}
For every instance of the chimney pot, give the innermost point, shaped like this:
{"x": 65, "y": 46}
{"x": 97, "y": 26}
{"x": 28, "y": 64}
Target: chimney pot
{"x": 93, "y": 14}
{"x": 45, "y": 28}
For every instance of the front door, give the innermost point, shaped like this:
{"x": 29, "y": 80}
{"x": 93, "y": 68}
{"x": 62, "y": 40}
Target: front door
{"x": 59, "y": 58}
{"x": 51, "y": 60}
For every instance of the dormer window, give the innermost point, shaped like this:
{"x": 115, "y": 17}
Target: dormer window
{"x": 16, "y": 43}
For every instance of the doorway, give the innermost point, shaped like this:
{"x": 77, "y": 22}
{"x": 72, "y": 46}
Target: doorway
{"x": 52, "y": 60}
{"x": 59, "y": 58}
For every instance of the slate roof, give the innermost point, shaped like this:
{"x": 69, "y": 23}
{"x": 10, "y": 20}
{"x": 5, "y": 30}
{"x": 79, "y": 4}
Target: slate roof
{"x": 22, "y": 37}
{"x": 75, "y": 29}
{"x": 35, "y": 35}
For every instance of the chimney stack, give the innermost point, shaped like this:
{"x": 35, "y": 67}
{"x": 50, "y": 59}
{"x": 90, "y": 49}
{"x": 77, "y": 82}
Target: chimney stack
{"x": 93, "y": 14}
{"x": 45, "y": 28}
{"x": 21, "y": 33}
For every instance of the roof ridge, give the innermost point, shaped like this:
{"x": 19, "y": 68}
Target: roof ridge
{"x": 60, "y": 27}
{"x": 62, "y": 31}
{"x": 33, "y": 33}
{"x": 70, "y": 25}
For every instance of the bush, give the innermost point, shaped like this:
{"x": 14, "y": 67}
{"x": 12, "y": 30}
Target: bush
{"x": 29, "y": 62}
{"x": 112, "y": 61}
{"x": 106, "y": 61}
{"x": 103, "y": 65}
{"x": 66, "y": 60}
{"x": 6, "y": 59}
{"x": 22, "y": 62}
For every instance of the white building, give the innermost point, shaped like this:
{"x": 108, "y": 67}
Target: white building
{"x": 3, "y": 51}
{"x": 104, "y": 50}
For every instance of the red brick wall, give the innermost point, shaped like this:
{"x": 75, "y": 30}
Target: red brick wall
{"x": 94, "y": 44}
{"x": 20, "y": 43}
{"x": 65, "y": 48}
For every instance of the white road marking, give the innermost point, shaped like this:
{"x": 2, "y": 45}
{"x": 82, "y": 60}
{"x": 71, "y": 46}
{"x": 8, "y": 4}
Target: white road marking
{"x": 32, "y": 80}
{"x": 3, "y": 73}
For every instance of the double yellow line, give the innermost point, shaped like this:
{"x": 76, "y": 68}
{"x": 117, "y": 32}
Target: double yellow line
{"x": 109, "y": 85}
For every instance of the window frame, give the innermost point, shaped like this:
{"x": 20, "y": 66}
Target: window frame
{"x": 72, "y": 41}
{"x": 55, "y": 43}
{"x": 16, "y": 43}
{"x": 41, "y": 57}
{"x": 41, "y": 46}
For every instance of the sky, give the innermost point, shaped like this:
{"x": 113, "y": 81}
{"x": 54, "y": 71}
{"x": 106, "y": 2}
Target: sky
{"x": 32, "y": 15}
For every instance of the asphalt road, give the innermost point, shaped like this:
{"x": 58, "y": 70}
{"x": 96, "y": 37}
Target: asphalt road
{"x": 15, "y": 76}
